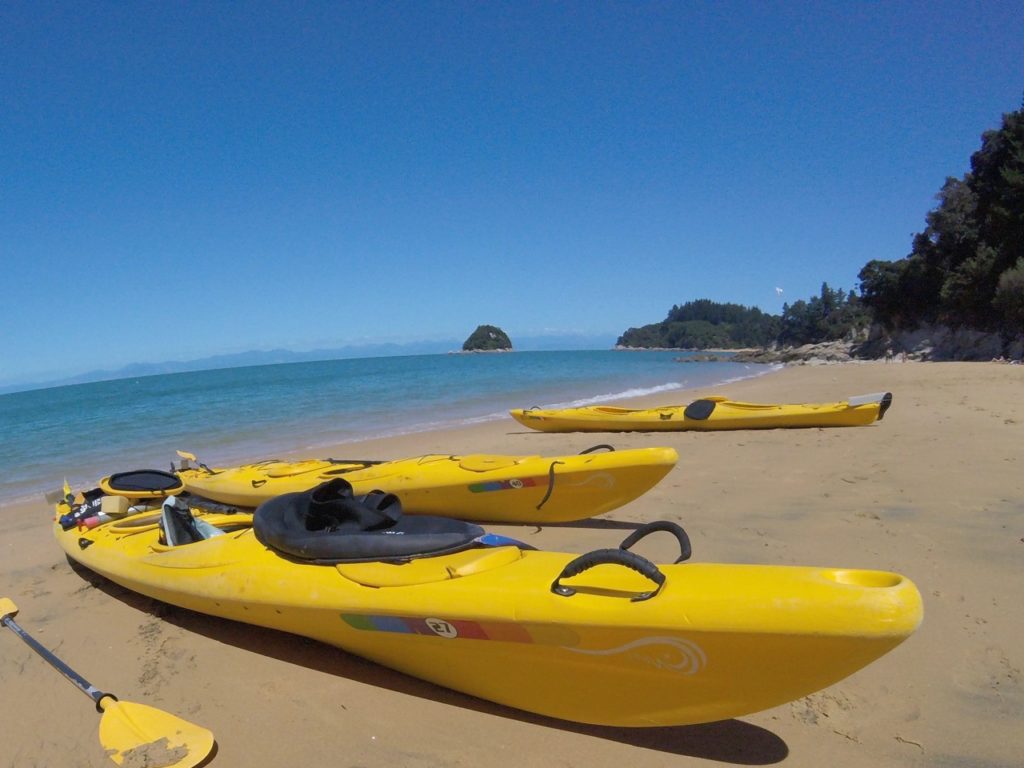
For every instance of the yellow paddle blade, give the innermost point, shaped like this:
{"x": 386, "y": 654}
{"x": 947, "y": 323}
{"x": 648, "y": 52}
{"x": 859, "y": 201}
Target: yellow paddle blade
{"x": 135, "y": 734}
{"x": 7, "y": 607}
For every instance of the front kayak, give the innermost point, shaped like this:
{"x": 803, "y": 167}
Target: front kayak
{"x": 483, "y": 487}
{"x": 707, "y": 414}
{"x": 606, "y": 638}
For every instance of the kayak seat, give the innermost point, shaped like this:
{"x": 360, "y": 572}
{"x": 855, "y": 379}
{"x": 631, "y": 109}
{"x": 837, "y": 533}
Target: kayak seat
{"x": 699, "y": 410}
{"x": 328, "y": 524}
{"x": 180, "y": 526}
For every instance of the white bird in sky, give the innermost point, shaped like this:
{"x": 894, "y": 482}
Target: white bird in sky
{"x": 778, "y": 291}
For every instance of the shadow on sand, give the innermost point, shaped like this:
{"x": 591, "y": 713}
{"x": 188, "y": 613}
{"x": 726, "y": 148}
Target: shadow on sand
{"x": 727, "y": 741}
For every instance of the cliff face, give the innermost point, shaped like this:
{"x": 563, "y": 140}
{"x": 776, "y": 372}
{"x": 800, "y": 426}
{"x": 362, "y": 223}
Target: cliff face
{"x": 941, "y": 343}
{"x": 937, "y": 343}
{"x": 487, "y": 338}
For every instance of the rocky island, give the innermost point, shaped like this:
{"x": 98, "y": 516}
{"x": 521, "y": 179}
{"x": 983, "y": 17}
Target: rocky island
{"x": 487, "y": 338}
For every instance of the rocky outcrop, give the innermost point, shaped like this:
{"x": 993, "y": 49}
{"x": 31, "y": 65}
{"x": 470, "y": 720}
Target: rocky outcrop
{"x": 925, "y": 343}
{"x": 828, "y": 352}
{"x": 940, "y": 343}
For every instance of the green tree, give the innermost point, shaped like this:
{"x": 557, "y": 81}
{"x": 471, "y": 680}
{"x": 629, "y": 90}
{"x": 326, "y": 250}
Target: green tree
{"x": 703, "y": 324}
{"x": 829, "y": 316}
{"x": 1009, "y": 300}
{"x": 971, "y": 238}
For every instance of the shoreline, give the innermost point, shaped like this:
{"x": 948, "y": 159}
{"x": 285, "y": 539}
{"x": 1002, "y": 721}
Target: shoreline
{"x": 934, "y": 491}
{"x": 479, "y": 431}
{"x": 251, "y": 449}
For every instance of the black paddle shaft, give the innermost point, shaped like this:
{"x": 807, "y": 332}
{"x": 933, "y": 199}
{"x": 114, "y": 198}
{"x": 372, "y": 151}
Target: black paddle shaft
{"x": 80, "y": 682}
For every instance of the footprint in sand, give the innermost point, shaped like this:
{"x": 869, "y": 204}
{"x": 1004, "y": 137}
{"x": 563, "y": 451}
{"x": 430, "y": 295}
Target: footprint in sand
{"x": 37, "y": 588}
{"x": 991, "y": 681}
{"x": 150, "y": 633}
{"x": 830, "y": 710}
{"x": 163, "y": 655}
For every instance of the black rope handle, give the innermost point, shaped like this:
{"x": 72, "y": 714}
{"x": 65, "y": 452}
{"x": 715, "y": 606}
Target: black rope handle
{"x": 551, "y": 484}
{"x": 551, "y": 471}
{"x": 623, "y": 557}
{"x": 661, "y": 525}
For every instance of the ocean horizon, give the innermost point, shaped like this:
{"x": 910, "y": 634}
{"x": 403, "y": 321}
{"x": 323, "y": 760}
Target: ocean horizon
{"x": 83, "y": 432}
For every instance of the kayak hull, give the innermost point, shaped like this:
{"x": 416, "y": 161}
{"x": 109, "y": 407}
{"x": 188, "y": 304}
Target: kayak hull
{"x": 480, "y": 487}
{"x": 724, "y": 415}
{"x": 717, "y": 641}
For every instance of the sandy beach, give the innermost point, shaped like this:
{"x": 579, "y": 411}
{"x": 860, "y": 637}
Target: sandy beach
{"x": 935, "y": 491}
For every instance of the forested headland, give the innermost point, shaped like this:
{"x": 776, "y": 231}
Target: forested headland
{"x": 964, "y": 273}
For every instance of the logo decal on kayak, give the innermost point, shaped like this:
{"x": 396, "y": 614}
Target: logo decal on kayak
{"x": 507, "y": 485}
{"x": 447, "y": 628}
{"x": 442, "y": 628}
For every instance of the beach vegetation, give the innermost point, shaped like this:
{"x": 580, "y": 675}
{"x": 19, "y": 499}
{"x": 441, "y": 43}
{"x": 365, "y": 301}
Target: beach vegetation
{"x": 705, "y": 324}
{"x": 965, "y": 267}
{"x": 832, "y": 315}
{"x": 1009, "y": 300}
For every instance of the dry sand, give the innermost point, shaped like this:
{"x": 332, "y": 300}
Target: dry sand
{"x": 935, "y": 491}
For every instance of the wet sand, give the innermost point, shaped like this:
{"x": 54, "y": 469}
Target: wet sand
{"x": 935, "y": 491}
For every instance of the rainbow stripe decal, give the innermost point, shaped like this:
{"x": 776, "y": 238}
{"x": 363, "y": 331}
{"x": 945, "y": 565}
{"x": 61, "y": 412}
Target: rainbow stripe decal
{"x": 469, "y": 630}
{"x": 665, "y": 653}
{"x": 506, "y": 485}
{"x": 466, "y": 630}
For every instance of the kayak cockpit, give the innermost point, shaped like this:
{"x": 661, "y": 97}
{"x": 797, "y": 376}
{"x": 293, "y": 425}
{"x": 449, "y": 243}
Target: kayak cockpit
{"x": 329, "y": 524}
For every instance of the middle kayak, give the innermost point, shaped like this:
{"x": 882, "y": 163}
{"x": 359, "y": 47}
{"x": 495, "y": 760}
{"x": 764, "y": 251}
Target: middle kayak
{"x": 482, "y": 487}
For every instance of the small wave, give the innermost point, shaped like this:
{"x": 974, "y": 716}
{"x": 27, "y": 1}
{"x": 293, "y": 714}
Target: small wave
{"x": 625, "y": 394}
{"x": 759, "y": 370}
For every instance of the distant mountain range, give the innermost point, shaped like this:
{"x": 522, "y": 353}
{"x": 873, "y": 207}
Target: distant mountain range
{"x": 277, "y": 356}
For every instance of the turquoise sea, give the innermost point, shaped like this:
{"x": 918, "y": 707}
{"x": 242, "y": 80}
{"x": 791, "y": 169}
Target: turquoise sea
{"x": 85, "y": 431}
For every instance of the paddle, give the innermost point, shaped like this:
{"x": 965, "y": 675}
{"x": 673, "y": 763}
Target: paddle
{"x": 136, "y": 732}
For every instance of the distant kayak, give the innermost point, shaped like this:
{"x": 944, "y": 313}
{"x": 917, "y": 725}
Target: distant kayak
{"x": 607, "y": 637}
{"x": 707, "y": 414}
{"x": 484, "y": 487}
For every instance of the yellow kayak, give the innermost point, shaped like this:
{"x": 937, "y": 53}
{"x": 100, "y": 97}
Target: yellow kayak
{"x": 607, "y": 637}
{"x": 707, "y": 414}
{"x": 495, "y": 488}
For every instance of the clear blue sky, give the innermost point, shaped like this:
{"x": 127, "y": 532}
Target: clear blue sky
{"x": 184, "y": 179}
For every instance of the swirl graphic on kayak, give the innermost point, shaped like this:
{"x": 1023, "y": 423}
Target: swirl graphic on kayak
{"x": 603, "y": 479}
{"x": 669, "y": 653}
